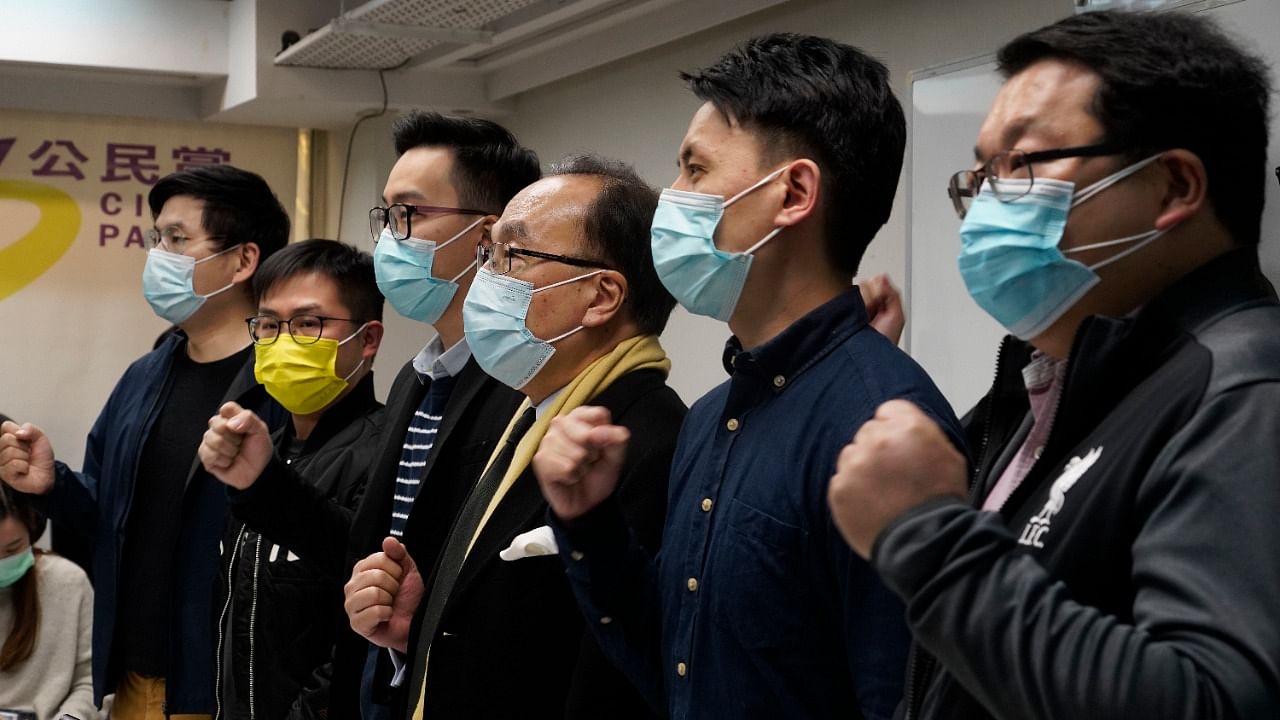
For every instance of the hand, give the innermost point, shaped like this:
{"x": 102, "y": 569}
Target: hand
{"x": 236, "y": 447}
{"x": 579, "y": 460}
{"x": 26, "y": 458}
{"x": 383, "y": 593}
{"x": 898, "y": 459}
{"x": 884, "y": 306}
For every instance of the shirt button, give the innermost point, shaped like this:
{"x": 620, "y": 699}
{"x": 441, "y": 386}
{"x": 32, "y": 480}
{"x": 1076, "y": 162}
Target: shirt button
{"x": 576, "y": 555}
{"x": 706, "y": 504}
{"x": 1038, "y": 452}
{"x": 779, "y": 381}
{"x": 606, "y": 620}
{"x": 693, "y": 584}
{"x": 682, "y": 669}
{"x": 732, "y": 424}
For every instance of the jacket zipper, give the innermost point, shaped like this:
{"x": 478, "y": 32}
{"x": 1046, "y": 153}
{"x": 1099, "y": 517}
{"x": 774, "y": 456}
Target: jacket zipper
{"x": 917, "y": 669}
{"x": 253, "y": 618}
{"x": 989, "y": 421}
{"x": 222, "y": 618}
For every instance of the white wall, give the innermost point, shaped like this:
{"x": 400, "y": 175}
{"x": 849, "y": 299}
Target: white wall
{"x": 150, "y": 35}
{"x": 637, "y": 110}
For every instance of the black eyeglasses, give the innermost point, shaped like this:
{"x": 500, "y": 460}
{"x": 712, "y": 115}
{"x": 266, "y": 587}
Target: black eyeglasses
{"x": 305, "y": 329}
{"x": 1014, "y": 165}
{"x": 399, "y": 217}
{"x": 496, "y": 257}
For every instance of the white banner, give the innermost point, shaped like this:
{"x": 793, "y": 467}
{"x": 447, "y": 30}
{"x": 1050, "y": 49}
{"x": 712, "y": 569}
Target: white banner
{"x": 73, "y": 210}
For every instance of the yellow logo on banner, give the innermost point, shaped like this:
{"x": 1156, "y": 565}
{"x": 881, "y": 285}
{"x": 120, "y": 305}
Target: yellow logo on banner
{"x": 34, "y": 253}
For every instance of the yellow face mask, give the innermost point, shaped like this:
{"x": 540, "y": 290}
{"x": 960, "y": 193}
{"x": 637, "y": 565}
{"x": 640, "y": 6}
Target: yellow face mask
{"x": 302, "y": 378}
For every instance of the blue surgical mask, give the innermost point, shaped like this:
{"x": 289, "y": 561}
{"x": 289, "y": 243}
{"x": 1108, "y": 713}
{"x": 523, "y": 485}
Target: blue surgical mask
{"x": 403, "y": 271}
{"x": 703, "y": 278}
{"x": 167, "y": 284}
{"x": 493, "y": 319}
{"x": 1009, "y": 254}
{"x": 14, "y": 567}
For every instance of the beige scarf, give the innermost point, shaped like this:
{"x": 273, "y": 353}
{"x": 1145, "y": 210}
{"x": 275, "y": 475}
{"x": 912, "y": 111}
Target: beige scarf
{"x": 642, "y": 352}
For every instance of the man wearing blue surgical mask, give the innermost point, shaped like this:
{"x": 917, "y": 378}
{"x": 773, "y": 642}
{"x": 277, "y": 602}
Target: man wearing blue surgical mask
{"x": 155, "y": 518}
{"x": 452, "y": 178}
{"x": 1116, "y": 556}
{"x": 566, "y": 308}
{"x": 756, "y": 607}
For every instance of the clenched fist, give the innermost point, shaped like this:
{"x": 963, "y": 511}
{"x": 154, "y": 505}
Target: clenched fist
{"x": 383, "y": 593}
{"x": 26, "y": 458}
{"x": 884, "y": 306}
{"x": 579, "y": 460}
{"x": 237, "y": 446}
{"x": 898, "y": 459}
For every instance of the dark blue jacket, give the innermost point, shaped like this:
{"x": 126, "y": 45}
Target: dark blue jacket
{"x": 97, "y": 499}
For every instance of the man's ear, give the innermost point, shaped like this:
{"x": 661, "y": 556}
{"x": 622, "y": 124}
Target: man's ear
{"x": 371, "y": 340}
{"x": 610, "y": 289}
{"x": 246, "y": 262}
{"x": 1187, "y": 187}
{"x": 803, "y": 181}
{"x": 486, "y": 230}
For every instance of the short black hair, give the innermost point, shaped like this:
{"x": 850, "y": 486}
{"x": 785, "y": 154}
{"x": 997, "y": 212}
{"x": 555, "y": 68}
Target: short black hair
{"x": 239, "y": 206}
{"x": 616, "y": 229}
{"x": 1171, "y": 80}
{"x": 350, "y": 268}
{"x": 489, "y": 165}
{"x": 802, "y": 95}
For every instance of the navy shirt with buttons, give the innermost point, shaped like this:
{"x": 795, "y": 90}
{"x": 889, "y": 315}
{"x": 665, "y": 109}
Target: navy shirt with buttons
{"x": 756, "y": 607}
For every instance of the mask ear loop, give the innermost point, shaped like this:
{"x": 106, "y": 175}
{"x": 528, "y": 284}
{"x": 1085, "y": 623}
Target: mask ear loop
{"x": 360, "y": 364}
{"x": 570, "y": 280}
{"x": 465, "y": 270}
{"x": 461, "y": 232}
{"x": 1143, "y": 240}
{"x": 759, "y": 183}
{"x": 1112, "y": 179}
{"x": 584, "y": 276}
{"x": 229, "y": 285}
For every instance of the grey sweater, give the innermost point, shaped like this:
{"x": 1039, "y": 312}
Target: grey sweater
{"x": 56, "y": 679}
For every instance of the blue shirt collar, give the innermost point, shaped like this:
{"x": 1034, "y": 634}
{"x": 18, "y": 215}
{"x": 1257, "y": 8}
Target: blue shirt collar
{"x": 802, "y": 343}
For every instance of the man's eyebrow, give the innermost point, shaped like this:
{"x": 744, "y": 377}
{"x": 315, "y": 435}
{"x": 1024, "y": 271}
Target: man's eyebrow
{"x": 407, "y": 197}
{"x": 686, "y": 153}
{"x": 515, "y": 230}
{"x": 307, "y": 309}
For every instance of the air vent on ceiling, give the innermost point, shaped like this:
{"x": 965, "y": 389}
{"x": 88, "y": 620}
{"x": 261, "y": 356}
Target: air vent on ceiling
{"x": 386, "y": 33}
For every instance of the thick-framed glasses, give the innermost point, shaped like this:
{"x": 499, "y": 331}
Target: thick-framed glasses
{"x": 496, "y": 258}
{"x": 172, "y": 239}
{"x": 1013, "y": 165}
{"x": 305, "y": 329}
{"x": 399, "y": 218}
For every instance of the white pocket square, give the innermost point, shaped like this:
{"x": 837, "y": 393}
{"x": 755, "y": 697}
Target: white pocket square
{"x": 538, "y": 541}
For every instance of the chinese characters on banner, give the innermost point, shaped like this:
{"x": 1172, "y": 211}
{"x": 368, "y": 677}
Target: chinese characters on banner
{"x": 134, "y": 163}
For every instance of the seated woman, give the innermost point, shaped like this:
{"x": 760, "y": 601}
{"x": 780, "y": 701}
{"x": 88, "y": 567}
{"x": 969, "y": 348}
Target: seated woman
{"x": 46, "y": 616}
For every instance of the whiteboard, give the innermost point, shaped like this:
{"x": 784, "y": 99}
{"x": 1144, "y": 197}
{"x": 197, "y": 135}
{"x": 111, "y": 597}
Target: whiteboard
{"x": 948, "y": 334}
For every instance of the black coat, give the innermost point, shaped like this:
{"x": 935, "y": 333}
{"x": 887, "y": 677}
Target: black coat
{"x": 280, "y": 595}
{"x": 1132, "y": 573}
{"x": 511, "y": 640}
{"x": 475, "y": 417}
